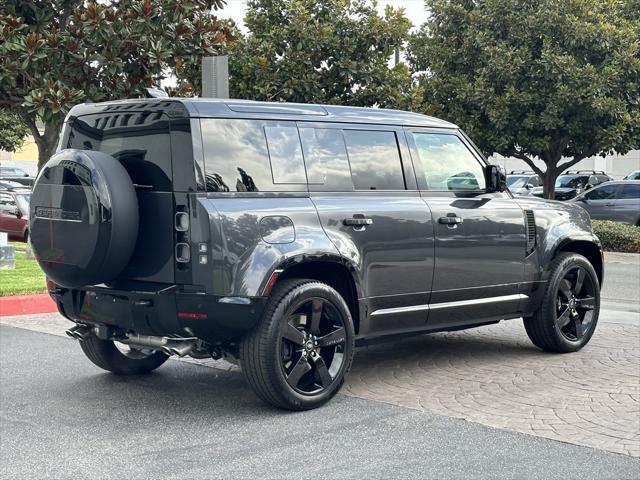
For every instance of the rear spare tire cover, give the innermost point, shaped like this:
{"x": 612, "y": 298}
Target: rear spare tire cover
{"x": 83, "y": 218}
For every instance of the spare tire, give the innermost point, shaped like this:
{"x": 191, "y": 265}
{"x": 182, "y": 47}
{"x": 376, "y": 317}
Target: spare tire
{"x": 83, "y": 218}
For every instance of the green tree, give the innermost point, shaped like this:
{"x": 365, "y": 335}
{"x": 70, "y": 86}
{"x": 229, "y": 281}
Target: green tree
{"x": 57, "y": 53}
{"x": 12, "y": 131}
{"x": 321, "y": 51}
{"x": 554, "y": 79}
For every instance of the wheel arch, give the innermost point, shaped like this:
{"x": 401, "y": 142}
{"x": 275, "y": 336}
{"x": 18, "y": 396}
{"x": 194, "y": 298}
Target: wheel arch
{"x": 588, "y": 249}
{"x": 334, "y": 273}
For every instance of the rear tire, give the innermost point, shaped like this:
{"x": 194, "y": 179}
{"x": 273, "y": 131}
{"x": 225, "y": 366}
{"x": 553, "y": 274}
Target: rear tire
{"x": 299, "y": 354}
{"x": 107, "y": 356}
{"x": 568, "y": 315}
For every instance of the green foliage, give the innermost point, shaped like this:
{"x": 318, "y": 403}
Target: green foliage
{"x": 12, "y": 131}
{"x": 321, "y": 51}
{"x": 57, "y": 53}
{"x": 546, "y": 79}
{"x": 617, "y": 237}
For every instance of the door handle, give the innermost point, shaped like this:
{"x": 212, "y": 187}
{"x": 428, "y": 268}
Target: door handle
{"x": 450, "y": 220}
{"x": 357, "y": 221}
{"x": 610, "y": 204}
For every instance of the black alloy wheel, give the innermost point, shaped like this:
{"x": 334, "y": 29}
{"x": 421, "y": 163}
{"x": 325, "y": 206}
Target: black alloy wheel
{"x": 575, "y": 304}
{"x": 313, "y": 345}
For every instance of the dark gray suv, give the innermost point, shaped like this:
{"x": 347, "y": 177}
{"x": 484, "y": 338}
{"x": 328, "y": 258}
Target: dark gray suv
{"x": 279, "y": 236}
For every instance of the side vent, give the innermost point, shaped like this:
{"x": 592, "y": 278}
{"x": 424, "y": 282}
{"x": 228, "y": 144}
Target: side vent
{"x": 530, "y": 230}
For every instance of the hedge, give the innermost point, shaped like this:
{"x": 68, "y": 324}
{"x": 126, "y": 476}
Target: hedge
{"x": 617, "y": 237}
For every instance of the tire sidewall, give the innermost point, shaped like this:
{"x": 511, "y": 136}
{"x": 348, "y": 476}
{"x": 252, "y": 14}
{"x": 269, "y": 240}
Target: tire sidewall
{"x": 567, "y": 263}
{"x": 274, "y": 336}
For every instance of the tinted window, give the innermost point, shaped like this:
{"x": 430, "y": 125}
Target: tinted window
{"x": 139, "y": 140}
{"x": 374, "y": 160}
{"x": 236, "y": 156}
{"x": 325, "y": 157}
{"x": 630, "y": 191}
{"x": 602, "y": 193}
{"x": 571, "y": 181}
{"x": 445, "y": 163}
{"x": 285, "y": 153}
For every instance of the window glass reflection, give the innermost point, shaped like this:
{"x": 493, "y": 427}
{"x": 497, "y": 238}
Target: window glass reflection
{"x": 325, "y": 157}
{"x": 447, "y": 164}
{"x": 374, "y": 159}
{"x": 285, "y": 153}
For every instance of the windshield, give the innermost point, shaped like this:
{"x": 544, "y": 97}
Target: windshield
{"x": 516, "y": 181}
{"x": 570, "y": 181}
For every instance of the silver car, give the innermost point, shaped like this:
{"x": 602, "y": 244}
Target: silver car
{"x": 618, "y": 201}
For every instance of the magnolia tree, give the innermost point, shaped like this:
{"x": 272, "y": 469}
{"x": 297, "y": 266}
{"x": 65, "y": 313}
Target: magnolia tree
{"x": 553, "y": 80}
{"x": 57, "y": 53}
{"x": 321, "y": 51}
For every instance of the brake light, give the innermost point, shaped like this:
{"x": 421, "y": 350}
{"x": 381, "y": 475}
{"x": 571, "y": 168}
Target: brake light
{"x": 192, "y": 316}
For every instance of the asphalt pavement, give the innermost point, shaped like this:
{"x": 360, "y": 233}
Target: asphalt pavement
{"x": 61, "y": 417}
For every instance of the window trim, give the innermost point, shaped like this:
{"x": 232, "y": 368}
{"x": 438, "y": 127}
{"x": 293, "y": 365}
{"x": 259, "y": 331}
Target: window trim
{"x": 415, "y": 157}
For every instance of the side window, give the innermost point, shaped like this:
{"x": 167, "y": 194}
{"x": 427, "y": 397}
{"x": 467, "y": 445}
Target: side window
{"x": 445, "y": 163}
{"x": 236, "y": 156}
{"x": 535, "y": 181}
{"x": 630, "y": 191}
{"x": 325, "y": 157}
{"x": 603, "y": 193}
{"x": 374, "y": 159}
{"x": 285, "y": 153}
{"x": 7, "y": 204}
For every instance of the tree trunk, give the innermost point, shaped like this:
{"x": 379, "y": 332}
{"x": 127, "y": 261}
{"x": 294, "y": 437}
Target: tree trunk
{"x": 549, "y": 183}
{"x": 47, "y": 142}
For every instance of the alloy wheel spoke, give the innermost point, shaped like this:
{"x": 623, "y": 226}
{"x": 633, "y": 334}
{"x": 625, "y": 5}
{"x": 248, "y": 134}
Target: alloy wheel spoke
{"x": 565, "y": 288}
{"x": 577, "y": 326}
{"x": 580, "y": 274}
{"x": 296, "y": 373}
{"x": 316, "y": 314}
{"x": 564, "y": 319}
{"x": 292, "y": 334}
{"x": 587, "y": 303}
{"x": 323, "y": 371}
{"x": 333, "y": 338}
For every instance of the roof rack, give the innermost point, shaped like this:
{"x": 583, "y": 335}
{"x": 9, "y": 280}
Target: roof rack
{"x": 521, "y": 172}
{"x": 592, "y": 172}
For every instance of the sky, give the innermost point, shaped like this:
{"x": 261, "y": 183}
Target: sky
{"x": 414, "y": 10}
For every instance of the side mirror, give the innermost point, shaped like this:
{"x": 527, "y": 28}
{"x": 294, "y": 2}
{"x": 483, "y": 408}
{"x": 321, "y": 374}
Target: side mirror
{"x": 496, "y": 179}
{"x": 528, "y": 186}
{"x": 26, "y": 174}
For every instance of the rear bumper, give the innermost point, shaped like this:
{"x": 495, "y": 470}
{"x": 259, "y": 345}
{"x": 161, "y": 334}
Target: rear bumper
{"x": 168, "y": 311}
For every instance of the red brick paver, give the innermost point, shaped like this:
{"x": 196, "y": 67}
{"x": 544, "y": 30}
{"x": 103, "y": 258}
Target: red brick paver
{"x": 494, "y": 376}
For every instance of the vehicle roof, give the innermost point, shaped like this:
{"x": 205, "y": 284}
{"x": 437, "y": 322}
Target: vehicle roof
{"x": 622, "y": 182}
{"x": 231, "y": 108}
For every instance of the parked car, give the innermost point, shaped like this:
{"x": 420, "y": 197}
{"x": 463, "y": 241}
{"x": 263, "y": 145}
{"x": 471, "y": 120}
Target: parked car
{"x": 279, "y": 235}
{"x": 522, "y": 182}
{"x": 633, "y": 176}
{"x": 617, "y": 200}
{"x": 9, "y": 185}
{"x": 572, "y": 183}
{"x": 14, "y": 212}
{"x": 16, "y": 175}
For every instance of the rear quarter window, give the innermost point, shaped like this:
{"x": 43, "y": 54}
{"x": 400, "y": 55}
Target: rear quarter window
{"x": 141, "y": 141}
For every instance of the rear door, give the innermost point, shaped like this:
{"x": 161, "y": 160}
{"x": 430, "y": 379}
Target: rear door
{"x": 480, "y": 237}
{"x": 361, "y": 181}
{"x": 627, "y": 207}
{"x": 601, "y": 201}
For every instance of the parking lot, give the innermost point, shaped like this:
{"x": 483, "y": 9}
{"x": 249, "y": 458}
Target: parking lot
{"x": 431, "y": 406}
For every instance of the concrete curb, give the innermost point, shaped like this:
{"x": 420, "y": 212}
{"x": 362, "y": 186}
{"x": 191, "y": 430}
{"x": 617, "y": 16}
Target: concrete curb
{"x": 26, "y": 305}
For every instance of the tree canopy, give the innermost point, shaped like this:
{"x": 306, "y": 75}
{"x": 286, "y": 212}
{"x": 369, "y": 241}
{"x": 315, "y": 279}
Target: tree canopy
{"x": 56, "y": 53}
{"x": 321, "y": 51}
{"x": 12, "y": 131}
{"x": 556, "y": 80}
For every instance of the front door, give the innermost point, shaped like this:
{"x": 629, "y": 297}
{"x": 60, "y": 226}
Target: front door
{"x": 362, "y": 184}
{"x": 600, "y": 201}
{"x": 480, "y": 237}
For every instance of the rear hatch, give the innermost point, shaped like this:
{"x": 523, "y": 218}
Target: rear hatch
{"x": 142, "y": 141}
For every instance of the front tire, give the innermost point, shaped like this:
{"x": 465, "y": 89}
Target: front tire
{"x": 124, "y": 360}
{"x": 568, "y": 315}
{"x": 300, "y": 352}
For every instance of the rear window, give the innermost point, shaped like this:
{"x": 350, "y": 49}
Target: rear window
{"x": 141, "y": 141}
{"x": 374, "y": 160}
